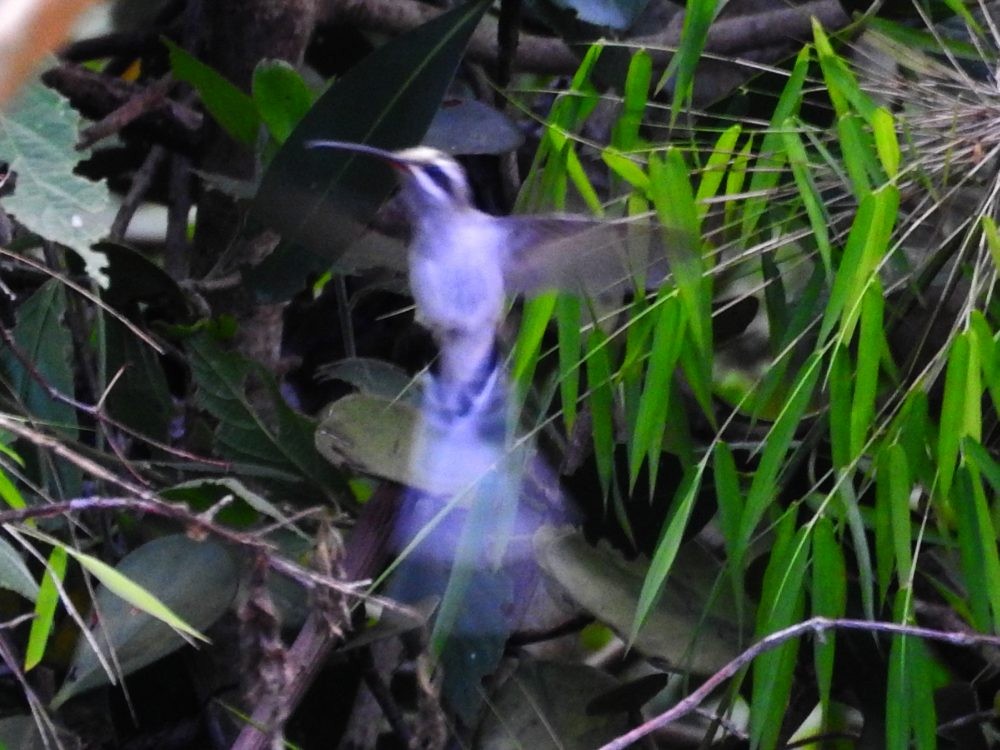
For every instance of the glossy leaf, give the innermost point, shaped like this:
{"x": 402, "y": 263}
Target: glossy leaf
{"x": 169, "y": 586}
{"x": 322, "y": 199}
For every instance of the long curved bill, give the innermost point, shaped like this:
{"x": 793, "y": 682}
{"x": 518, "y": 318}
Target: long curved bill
{"x": 389, "y": 157}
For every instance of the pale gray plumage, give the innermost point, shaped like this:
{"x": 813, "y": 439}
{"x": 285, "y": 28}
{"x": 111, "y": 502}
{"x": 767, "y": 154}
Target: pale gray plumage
{"x": 464, "y": 262}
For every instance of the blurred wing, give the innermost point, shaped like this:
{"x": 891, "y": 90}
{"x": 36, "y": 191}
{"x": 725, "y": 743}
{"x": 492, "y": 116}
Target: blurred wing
{"x": 585, "y": 256}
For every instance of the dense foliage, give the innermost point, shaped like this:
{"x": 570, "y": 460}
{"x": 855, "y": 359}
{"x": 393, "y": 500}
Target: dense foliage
{"x": 768, "y": 483}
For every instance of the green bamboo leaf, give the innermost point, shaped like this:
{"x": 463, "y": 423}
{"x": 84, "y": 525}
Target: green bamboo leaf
{"x": 578, "y": 175}
{"x": 841, "y": 83}
{"x": 736, "y": 178}
{"x": 989, "y": 355}
{"x": 972, "y": 415}
{"x": 839, "y": 380}
{"x": 625, "y": 134}
{"x": 815, "y": 207}
{"x": 601, "y": 406}
{"x": 979, "y": 457}
{"x": 10, "y": 494}
{"x": 534, "y": 322}
{"x": 667, "y": 547}
{"x": 694, "y": 33}
{"x": 859, "y": 540}
{"x": 953, "y": 409}
{"x": 885, "y": 561}
{"x": 673, "y": 200}
{"x": 900, "y": 486}
{"x": 899, "y": 695}
{"x": 625, "y": 167}
{"x": 992, "y": 239}
{"x": 233, "y": 109}
{"x": 884, "y": 129}
{"x": 782, "y": 603}
{"x": 971, "y": 551}
{"x": 772, "y": 152}
{"x": 647, "y": 436}
{"x": 829, "y": 599}
{"x": 987, "y": 542}
{"x": 570, "y": 347}
{"x": 866, "y": 244}
{"x": 730, "y": 500}
{"x": 911, "y": 717}
{"x": 857, "y": 151}
{"x": 871, "y": 342}
{"x": 714, "y": 170}
{"x": 764, "y": 487}
{"x": 45, "y": 608}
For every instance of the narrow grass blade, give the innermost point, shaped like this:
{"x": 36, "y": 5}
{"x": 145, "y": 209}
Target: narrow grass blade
{"x": 829, "y": 599}
{"x": 45, "y": 608}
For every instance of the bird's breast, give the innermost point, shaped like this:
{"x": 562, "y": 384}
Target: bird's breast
{"x": 456, "y": 278}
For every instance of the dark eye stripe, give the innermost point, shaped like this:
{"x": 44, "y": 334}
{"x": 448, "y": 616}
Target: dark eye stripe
{"x": 439, "y": 177}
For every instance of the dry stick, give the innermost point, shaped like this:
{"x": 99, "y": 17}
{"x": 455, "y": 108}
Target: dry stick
{"x": 141, "y": 182}
{"x": 142, "y": 102}
{"x": 552, "y": 55}
{"x": 147, "y": 501}
{"x": 98, "y": 413}
{"x": 817, "y": 625}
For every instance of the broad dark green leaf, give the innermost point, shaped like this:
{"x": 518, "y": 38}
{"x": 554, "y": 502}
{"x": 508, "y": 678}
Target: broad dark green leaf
{"x": 195, "y": 580}
{"x": 691, "y": 625}
{"x": 44, "y": 341}
{"x": 544, "y": 705}
{"x": 141, "y": 397}
{"x": 322, "y": 199}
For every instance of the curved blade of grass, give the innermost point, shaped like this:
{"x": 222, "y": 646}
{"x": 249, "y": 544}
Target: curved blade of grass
{"x": 651, "y": 416}
{"x": 764, "y": 487}
{"x": 782, "y": 603}
{"x": 666, "y": 548}
{"x": 45, "y": 608}
{"x": 828, "y": 592}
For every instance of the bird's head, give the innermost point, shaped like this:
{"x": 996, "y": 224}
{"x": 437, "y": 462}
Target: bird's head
{"x": 431, "y": 180}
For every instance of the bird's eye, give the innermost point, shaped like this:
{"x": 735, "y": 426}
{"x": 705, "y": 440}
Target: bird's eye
{"x": 439, "y": 177}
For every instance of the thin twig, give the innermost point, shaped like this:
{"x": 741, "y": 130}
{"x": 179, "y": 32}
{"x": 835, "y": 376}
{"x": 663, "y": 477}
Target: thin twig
{"x": 816, "y": 625}
{"x": 141, "y": 182}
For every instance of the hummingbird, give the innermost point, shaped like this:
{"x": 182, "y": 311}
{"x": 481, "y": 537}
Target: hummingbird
{"x": 464, "y": 263}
